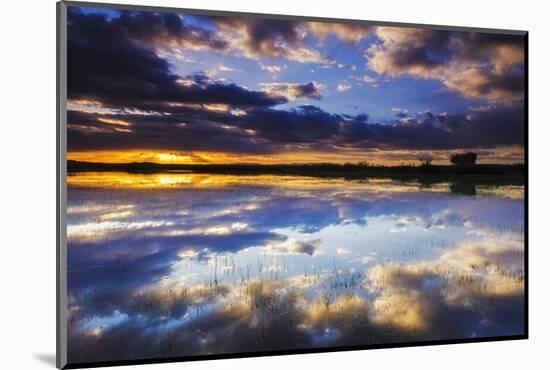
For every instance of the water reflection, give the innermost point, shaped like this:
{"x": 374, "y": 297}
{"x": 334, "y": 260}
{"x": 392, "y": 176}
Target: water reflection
{"x": 189, "y": 264}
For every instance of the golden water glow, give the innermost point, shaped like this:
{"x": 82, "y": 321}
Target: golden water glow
{"x": 199, "y": 180}
{"x": 170, "y": 180}
{"x": 166, "y": 180}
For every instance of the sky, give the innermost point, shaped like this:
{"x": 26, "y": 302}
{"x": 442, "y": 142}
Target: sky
{"x": 182, "y": 88}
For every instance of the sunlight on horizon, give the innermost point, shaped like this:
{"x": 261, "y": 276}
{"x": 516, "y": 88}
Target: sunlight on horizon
{"x": 377, "y": 157}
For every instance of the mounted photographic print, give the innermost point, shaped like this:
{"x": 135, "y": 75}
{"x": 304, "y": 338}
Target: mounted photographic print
{"x": 234, "y": 184}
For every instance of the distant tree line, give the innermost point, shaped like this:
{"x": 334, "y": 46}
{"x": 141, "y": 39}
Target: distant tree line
{"x": 464, "y": 159}
{"x": 459, "y": 159}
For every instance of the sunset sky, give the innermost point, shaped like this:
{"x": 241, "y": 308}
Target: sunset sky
{"x": 178, "y": 88}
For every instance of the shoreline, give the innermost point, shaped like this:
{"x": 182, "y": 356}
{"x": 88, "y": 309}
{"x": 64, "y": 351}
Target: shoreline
{"x": 486, "y": 174}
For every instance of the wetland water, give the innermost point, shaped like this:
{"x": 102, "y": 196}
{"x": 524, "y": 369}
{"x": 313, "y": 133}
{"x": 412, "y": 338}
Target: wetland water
{"x": 165, "y": 265}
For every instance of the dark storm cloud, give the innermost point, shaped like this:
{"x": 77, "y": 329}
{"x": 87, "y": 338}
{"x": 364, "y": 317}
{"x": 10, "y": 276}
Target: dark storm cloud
{"x": 266, "y": 130}
{"x": 509, "y": 84}
{"x": 489, "y": 128}
{"x": 493, "y": 127}
{"x": 502, "y": 126}
{"x": 166, "y": 29}
{"x": 174, "y": 132}
{"x": 262, "y": 34}
{"x": 106, "y": 64}
{"x": 308, "y": 90}
{"x": 475, "y": 46}
{"x": 304, "y": 124}
{"x": 431, "y": 50}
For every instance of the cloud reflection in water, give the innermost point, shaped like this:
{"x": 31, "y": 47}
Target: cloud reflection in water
{"x": 185, "y": 264}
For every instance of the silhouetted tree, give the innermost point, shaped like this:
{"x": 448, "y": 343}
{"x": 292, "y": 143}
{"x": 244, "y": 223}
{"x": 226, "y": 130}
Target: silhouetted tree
{"x": 463, "y": 188}
{"x": 425, "y": 160}
{"x": 464, "y": 159}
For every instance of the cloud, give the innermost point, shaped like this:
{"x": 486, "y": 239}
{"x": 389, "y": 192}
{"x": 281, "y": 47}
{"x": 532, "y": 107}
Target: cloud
{"x": 369, "y": 80}
{"x": 124, "y": 95}
{"x": 267, "y": 130}
{"x": 343, "y": 87}
{"x": 445, "y": 298}
{"x": 107, "y": 66}
{"x": 489, "y": 84}
{"x": 256, "y": 38}
{"x": 164, "y": 30}
{"x": 293, "y": 246}
{"x": 292, "y": 91}
{"x": 477, "y": 65}
{"x": 174, "y": 35}
{"x": 348, "y": 32}
{"x": 304, "y": 124}
{"x": 274, "y": 68}
{"x": 225, "y": 68}
{"x": 431, "y": 297}
{"x": 503, "y": 125}
{"x": 400, "y": 112}
{"x": 195, "y": 128}
{"x": 340, "y": 321}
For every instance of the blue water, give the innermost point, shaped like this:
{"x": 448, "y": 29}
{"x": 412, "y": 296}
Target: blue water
{"x": 171, "y": 265}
